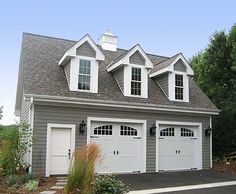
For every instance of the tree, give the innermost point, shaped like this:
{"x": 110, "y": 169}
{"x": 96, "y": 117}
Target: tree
{"x": 1, "y": 107}
{"x": 215, "y": 73}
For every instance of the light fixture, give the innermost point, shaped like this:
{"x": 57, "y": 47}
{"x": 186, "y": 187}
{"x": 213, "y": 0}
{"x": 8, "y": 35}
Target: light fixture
{"x": 82, "y": 126}
{"x": 208, "y": 131}
{"x": 153, "y": 130}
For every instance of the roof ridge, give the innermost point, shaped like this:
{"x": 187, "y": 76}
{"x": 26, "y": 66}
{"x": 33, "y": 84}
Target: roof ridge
{"x": 69, "y": 40}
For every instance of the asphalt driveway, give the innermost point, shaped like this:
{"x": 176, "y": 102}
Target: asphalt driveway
{"x": 173, "y": 179}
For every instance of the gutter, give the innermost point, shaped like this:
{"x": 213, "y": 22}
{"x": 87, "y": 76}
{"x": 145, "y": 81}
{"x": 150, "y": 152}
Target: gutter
{"x": 129, "y": 105}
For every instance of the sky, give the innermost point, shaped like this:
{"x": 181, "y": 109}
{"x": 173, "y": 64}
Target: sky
{"x": 162, "y": 27}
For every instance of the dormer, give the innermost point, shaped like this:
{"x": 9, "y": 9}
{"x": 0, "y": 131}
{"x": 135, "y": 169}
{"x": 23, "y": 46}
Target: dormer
{"x": 131, "y": 72}
{"x": 80, "y": 64}
{"x": 172, "y": 76}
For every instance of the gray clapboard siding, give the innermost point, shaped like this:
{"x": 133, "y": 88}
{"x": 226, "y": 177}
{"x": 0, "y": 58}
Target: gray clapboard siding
{"x": 69, "y": 115}
{"x": 179, "y": 66}
{"x": 162, "y": 81}
{"x": 137, "y": 58}
{"x": 119, "y": 76}
{"x": 86, "y": 50}
{"x": 24, "y": 113}
{"x": 67, "y": 71}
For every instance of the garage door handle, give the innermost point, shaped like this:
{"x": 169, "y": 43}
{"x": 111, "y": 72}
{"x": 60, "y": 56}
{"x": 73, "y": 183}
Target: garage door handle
{"x": 114, "y": 152}
{"x": 117, "y": 152}
{"x": 178, "y": 151}
{"x": 69, "y": 154}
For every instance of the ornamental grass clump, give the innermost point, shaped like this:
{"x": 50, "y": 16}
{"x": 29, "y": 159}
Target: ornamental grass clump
{"x": 81, "y": 173}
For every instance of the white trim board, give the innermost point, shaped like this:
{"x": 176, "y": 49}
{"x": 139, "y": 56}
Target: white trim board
{"x": 211, "y": 142}
{"x": 72, "y": 127}
{"x": 116, "y": 120}
{"x": 198, "y": 124}
{"x": 103, "y": 103}
{"x": 184, "y": 188}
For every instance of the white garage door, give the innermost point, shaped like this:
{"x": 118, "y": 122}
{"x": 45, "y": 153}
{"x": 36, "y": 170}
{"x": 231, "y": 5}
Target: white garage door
{"x": 178, "y": 147}
{"x": 121, "y": 145}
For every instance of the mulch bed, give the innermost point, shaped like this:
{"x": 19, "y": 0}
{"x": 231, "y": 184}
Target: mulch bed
{"x": 44, "y": 185}
{"x": 225, "y": 168}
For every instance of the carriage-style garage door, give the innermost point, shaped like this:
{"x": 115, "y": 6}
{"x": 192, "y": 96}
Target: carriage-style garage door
{"x": 178, "y": 147}
{"x": 121, "y": 145}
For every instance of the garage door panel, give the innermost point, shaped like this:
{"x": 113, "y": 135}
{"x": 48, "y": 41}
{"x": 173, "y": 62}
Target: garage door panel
{"x": 121, "y": 148}
{"x": 178, "y": 147}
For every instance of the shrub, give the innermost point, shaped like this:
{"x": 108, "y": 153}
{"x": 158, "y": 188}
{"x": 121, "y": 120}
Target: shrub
{"x": 32, "y": 185}
{"x": 109, "y": 184}
{"x": 81, "y": 174}
{"x": 11, "y": 180}
{"x": 15, "y": 141}
{"x": 24, "y": 178}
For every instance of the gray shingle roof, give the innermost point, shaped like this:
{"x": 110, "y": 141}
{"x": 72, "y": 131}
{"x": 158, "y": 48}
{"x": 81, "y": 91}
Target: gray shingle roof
{"x": 163, "y": 64}
{"x": 43, "y": 76}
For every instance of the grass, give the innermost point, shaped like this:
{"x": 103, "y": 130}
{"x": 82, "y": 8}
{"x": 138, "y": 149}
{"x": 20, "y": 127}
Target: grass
{"x": 81, "y": 174}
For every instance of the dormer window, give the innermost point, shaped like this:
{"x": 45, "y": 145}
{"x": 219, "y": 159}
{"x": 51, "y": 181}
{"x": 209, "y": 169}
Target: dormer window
{"x": 84, "y": 74}
{"x": 172, "y": 76}
{"x": 131, "y": 72}
{"x": 81, "y": 63}
{"x": 179, "y": 87}
{"x": 136, "y": 81}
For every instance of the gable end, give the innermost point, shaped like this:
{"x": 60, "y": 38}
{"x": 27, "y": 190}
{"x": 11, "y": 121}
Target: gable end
{"x": 179, "y": 66}
{"x": 86, "y": 50}
{"x": 137, "y": 58}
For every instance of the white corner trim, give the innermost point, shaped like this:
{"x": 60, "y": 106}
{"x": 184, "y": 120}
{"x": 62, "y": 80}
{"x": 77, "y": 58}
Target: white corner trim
{"x": 164, "y": 122}
{"x": 118, "y": 120}
{"x": 31, "y": 123}
{"x": 211, "y": 142}
{"x": 71, "y": 127}
{"x": 71, "y": 52}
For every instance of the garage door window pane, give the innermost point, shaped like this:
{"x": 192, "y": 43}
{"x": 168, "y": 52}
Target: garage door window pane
{"x": 167, "y": 132}
{"x": 128, "y": 131}
{"x": 103, "y": 130}
{"x": 187, "y": 132}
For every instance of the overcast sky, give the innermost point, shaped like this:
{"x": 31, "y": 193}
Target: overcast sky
{"x": 161, "y": 27}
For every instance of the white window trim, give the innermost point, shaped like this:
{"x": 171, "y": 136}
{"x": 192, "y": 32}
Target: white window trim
{"x": 143, "y": 122}
{"x": 171, "y": 86}
{"x": 128, "y": 79}
{"x": 48, "y": 146}
{"x": 179, "y": 123}
{"x": 136, "y": 81}
{"x": 82, "y": 74}
{"x": 74, "y": 72}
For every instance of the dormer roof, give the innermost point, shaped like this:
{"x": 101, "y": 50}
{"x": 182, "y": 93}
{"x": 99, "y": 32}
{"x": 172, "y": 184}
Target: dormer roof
{"x": 168, "y": 66}
{"x": 71, "y": 52}
{"x": 123, "y": 60}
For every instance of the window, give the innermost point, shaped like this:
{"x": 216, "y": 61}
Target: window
{"x": 167, "y": 132}
{"x": 179, "y": 87}
{"x": 136, "y": 81}
{"x": 186, "y": 132}
{"x": 103, "y": 130}
{"x": 84, "y": 75}
{"x": 128, "y": 131}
